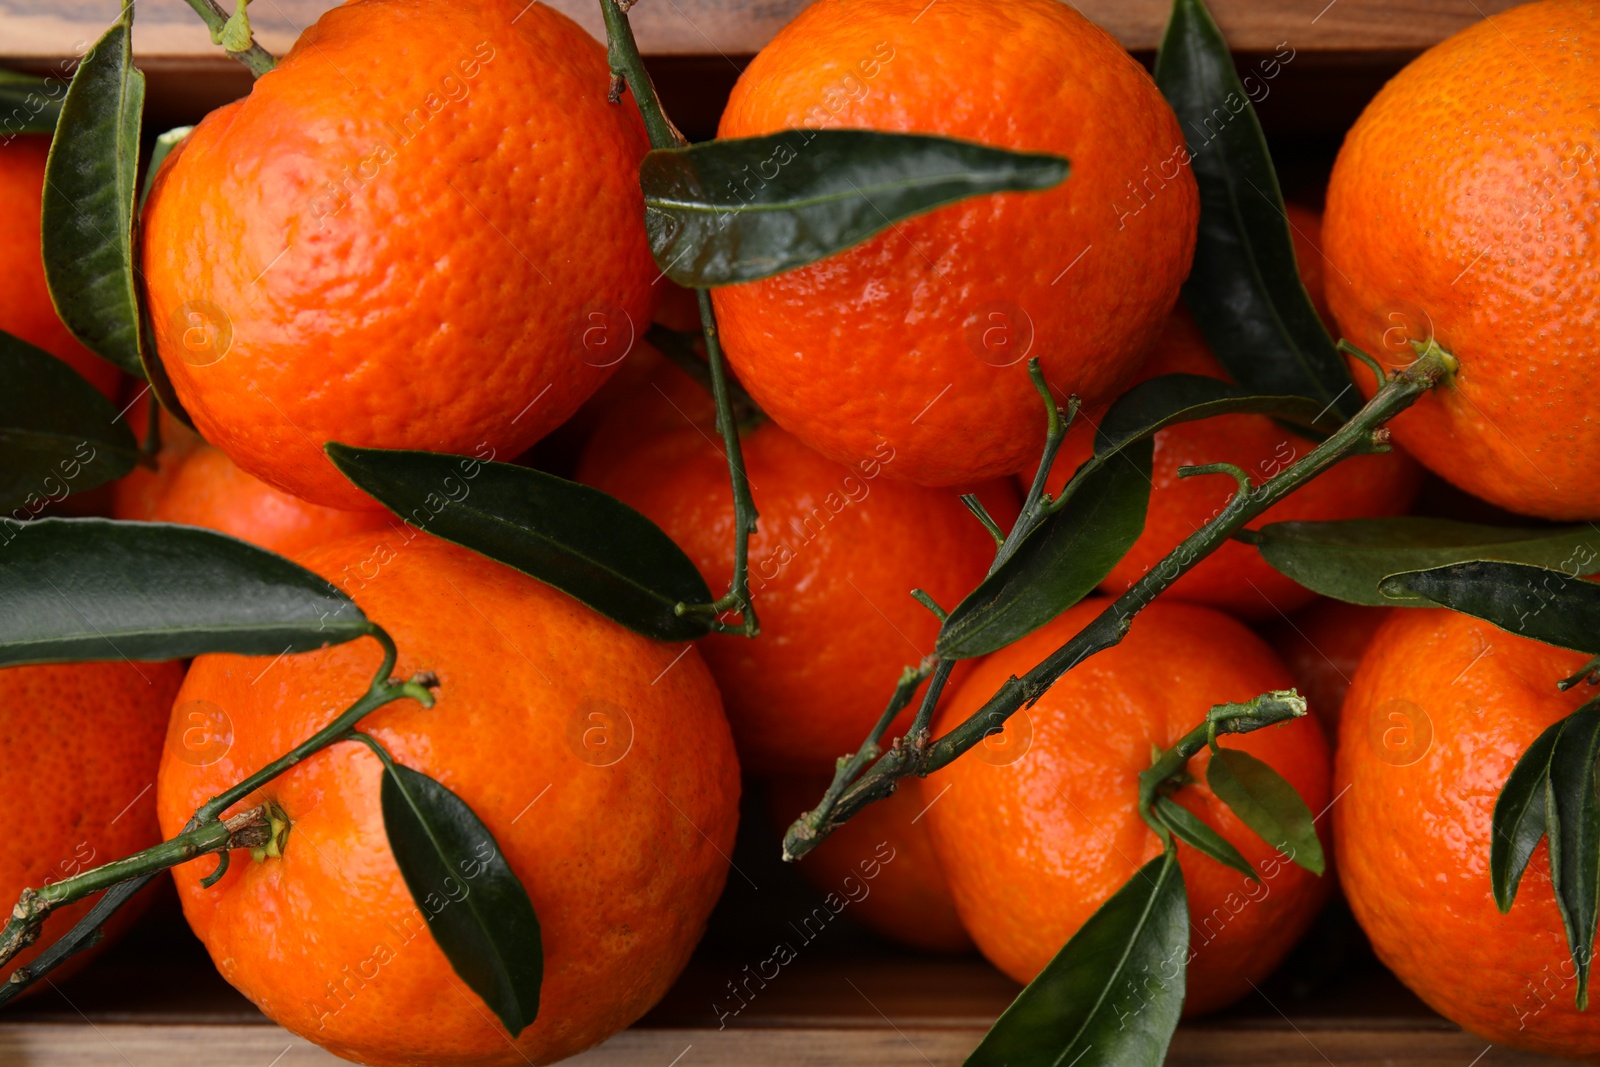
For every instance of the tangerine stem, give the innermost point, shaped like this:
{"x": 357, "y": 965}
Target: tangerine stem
{"x": 1355, "y": 437}
{"x": 257, "y": 59}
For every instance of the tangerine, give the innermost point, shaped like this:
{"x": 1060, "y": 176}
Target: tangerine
{"x": 599, "y": 760}
{"x": 443, "y": 253}
{"x": 917, "y": 338}
{"x": 1039, "y": 824}
{"x": 1460, "y": 211}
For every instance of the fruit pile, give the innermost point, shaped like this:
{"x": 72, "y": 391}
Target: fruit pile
{"x": 434, "y": 490}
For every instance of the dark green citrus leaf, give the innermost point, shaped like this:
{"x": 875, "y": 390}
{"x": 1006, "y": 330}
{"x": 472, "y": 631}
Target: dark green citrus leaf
{"x": 1245, "y": 289}
{"x": 90, "y": 182}
{"x": 473, "y": 902}
{"x": 28, "y": 104}
{"x": 1556, "y": 607}
{"x": 588, "y": 545}
{"x": 1172, "y": 398}
{"x": 1519, "y": 817}
{"x": 1347, "y": 558}
{"x": 1111, "y": 997}
{"x": 1572, "y": 811}
{"x": 1059, "y": 563}
{"x": 164, "y": 145}
{"x": 97, "y": 589}
{"x": 85, "y": 933}
{"x": 1267, "y": 804}
{"x": 1192, "y": 831}
{"x": 712, "y": 222}
{"x": 58, "y": 435}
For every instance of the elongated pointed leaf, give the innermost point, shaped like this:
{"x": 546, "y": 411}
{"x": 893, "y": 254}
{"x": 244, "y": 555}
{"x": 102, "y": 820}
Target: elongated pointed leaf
{"x": 1111, "y": 997}
{"x": 587, "y": 544}
{"x": 1192, "y": 831}
{"x": 1572, "y": 811}
{"x": 28, "y": 104}
{"x": 93, "y": 589}
{"x": 1552, "y": 606}
{"x": 1245, "y": 289}
{"x": 91, "y": 179}
{"x": 1155, "y": 404}
{"x": 164, "y": 145}
{"x": 474, "y": 904}
{"x": 1267, "y": 804}
{"x": 1059, "y": 563}
{"x": 1519, "y": 817}
{"x": 736, "y": 210}
{"x": 1346, "y": 559}
{"x": 58, "y": 435}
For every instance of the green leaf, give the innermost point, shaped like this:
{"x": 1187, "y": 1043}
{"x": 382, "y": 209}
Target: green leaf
{"x": 1556, "y": 607}
{"x": 1519, "y": 817}
{"x": 1267, "y": 804}
{"x": 474, "y": 904}
{"x": 1573, "y": 812}
{"x": 1059, "y": 563}
{"x": 1192, "y": 831}
{"x": 164, "y": 145}
{"x": 1155, "y": 404}
{"x": 1245, "y": 289}
{"x": 716, "y": 216}
{"x": 1111, "y": 997}
{"x": 90, "y": 182}
{"x": 1347, "y": 558}
{"x": 93, "y": 589}
{"x": 28, "y": 104}
{"x": 58, "y": 435}
{"x": 588, "y": 545}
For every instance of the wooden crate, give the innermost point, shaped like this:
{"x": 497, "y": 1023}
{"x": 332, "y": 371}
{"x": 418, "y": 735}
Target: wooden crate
{"x": 155, "y": 1000}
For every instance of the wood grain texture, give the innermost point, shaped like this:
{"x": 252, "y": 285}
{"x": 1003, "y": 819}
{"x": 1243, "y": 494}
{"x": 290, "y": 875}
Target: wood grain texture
{"x": 884, "y": 1045}
{"x": 32, "y": 31}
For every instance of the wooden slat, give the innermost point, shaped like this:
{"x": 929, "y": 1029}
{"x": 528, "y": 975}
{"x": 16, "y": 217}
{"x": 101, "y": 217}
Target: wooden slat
{"x": 30, "y": 30}
{"x": 133, "y": 1045}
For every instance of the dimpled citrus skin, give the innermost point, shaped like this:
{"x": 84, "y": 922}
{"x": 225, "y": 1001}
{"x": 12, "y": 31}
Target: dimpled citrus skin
{"x": 1440, "y": 710}
{"x": 908, "y": 899}
{"x": 1033, "y": 846}
{"x": 410, "y": 227}
{"x": 622, "y": 857}
{"x": 832, "y": 563}
{"x": 1463, "y": 204}
{"x": 917, "y": 337}
{"x": 1235, "y": 578}
{"x": 79, "y": 748}
{"x": 206, "y": 488}
{"x": 25, "y": 307}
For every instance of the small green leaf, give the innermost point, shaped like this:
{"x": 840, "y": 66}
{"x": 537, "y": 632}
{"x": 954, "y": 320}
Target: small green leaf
{"x": 58, "y": 435}
{"x": 1556, "y": 607}
{"x": 710, "y": 223}
{"x": 1245, "y": 289}
{"x": 97, "y": 589}
{"x": 1347, "y": 558}
{"x": 164, "y": 145}
{"x": 474, "y": 904}
{"x": 1267, "y": 804}
{"x": 1059, "y": 563}
{"x": 589, "y": 545}
{"x": 1519, "y": 817}
{"x": 1572, "y": 811}
{"x": 1192, "y": 831}
{"x": 28, "y": 104}
{"x": 91, "y": 179}
{"x": 1111, "y": 997}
